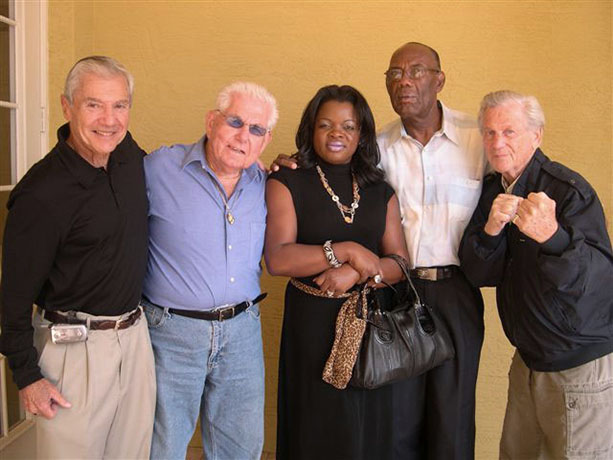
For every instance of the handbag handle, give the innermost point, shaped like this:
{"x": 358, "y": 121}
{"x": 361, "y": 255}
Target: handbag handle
{"x": 360, "y": 307}
{"x": 404, "y": 266}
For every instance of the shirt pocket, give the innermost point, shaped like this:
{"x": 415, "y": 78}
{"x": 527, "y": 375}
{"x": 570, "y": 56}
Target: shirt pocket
{"x": 463, "y": 196}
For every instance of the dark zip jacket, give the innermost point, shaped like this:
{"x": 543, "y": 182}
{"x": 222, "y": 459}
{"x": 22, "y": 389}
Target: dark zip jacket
{"x": 555, "y": 299}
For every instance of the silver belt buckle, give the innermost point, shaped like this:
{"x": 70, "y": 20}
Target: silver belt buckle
{"x": 225, "y": 308}
{"x": 68, "y": 333}
{"x": 426, "y": 273}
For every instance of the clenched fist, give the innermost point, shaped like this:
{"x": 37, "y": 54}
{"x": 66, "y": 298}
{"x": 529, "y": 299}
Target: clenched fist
{"x": 503, "y": 210}
{"x": 536, "y": 217}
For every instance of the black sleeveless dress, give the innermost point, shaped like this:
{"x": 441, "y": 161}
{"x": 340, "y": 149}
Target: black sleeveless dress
{"x": 315, "y": 420}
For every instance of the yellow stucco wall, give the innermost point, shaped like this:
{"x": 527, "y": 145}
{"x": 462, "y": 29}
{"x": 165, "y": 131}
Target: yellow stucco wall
{"x": 181, "y": 53}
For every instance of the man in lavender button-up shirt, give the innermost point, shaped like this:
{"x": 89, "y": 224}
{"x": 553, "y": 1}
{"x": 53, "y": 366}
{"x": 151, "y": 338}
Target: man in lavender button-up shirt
{"x": 207, "y": 219}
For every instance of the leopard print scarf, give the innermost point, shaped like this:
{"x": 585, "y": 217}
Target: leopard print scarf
{"x": 348, "y": 334}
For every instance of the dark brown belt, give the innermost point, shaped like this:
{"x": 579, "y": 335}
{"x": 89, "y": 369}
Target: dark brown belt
{"x": 57, "y": 317}
{"x": 434, "y": 273}
{"x": 219, "y": 314}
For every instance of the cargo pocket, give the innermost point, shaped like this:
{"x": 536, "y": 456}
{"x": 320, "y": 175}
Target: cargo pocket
{"x": 589, "y": 420}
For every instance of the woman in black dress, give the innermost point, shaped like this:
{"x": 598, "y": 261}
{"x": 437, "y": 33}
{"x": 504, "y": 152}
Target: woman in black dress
{"x": 329, "y": 222}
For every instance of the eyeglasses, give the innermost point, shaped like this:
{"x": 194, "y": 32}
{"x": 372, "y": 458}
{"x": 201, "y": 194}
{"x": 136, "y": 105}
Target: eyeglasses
{"x": 237, "y": 123}
{"x": 414, "y": 73}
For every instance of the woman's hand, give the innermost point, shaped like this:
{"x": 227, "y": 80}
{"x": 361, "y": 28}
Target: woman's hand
{"x": 337, "y": 280}
{"x": 364, "y": 261}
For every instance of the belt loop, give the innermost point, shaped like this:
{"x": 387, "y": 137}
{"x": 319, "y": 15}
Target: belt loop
{"x": 117, "y": 324}
{"x": 87, "y": 322}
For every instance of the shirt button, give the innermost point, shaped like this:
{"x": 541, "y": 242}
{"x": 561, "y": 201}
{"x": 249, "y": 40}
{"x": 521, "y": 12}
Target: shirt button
{"x": 231, "y": 279}
{"x": 429, "y": 178}
{"x": 229, "y": 247}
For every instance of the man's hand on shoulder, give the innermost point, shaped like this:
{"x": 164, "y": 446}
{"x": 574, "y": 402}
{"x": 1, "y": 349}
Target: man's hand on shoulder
{"x": 283, "y": 161}
{"x": 42, "y": 398}
{"x": 536, "y": 217}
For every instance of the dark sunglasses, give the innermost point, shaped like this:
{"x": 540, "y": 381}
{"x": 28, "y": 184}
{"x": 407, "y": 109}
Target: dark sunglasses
{"x": 237, "y": 123}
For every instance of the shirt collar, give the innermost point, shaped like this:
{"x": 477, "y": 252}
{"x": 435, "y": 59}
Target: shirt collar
{"x": 196, "y": 154}
{"x": 396, "y": 133}
{"x": 84, "y": 172}
{"x": 528, "y": 177}
{"x": 508, "y": 188}
{"x": 448, "y": 124}
{"x": 448, "y": 127}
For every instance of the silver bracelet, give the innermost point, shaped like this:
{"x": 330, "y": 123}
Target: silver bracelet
{"x": 329, "y": 253}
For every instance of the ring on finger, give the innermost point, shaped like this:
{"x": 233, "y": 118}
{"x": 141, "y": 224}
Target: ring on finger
{"x": 377, "y": 278}
{"x": 514, "y": 218}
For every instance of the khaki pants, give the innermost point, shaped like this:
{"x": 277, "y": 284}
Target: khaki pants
{"x": 110, "y": 381}
{"x": 559, "y": 415}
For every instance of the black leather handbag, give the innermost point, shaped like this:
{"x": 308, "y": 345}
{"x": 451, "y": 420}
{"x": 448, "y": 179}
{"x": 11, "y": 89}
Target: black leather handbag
{"x": 404, "y": 337}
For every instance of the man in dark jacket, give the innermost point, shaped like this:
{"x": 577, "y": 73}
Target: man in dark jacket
{"x": 539, "y": 236}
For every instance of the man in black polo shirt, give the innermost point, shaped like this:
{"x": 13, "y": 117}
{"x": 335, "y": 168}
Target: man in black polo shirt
{"x": 75, "y": 244}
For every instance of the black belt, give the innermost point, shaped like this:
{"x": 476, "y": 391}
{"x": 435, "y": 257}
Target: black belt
{"x": 434, "y": 273}
{"x": 219, "y": 314}
{"x": 58, "y": 317}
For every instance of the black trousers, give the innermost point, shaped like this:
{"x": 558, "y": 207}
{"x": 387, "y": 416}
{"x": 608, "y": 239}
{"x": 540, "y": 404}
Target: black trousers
{"x": 434, "y": 413}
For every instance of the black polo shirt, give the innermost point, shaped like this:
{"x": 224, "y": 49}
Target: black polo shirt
{"x": 75, "y": 239}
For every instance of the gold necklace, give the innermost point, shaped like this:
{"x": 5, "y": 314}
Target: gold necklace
{"x": 348, "y": 212}
{"x": 229, "y": 217}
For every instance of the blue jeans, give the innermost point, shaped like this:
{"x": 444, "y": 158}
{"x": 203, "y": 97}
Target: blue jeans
{"x": 211, "y": 368}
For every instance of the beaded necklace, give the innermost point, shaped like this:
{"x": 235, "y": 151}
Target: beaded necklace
{"x": 348, "y": 212}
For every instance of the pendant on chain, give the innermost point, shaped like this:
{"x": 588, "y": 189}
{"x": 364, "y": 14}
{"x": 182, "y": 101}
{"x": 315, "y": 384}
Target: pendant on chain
{"x": 230, "y": 218}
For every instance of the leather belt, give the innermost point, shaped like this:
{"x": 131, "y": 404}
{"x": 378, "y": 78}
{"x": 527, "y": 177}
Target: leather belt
{"x": 57, "y": 317}
{"x": 433, "y": 273}
{"x": 219, "y": 314}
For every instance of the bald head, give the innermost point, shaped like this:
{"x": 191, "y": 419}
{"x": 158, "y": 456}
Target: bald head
{"x": 409, "y": 46}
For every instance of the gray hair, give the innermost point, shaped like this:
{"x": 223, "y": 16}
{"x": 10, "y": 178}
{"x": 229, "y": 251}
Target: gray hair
{"x": 224, "y": 98}
{"x": 532, "y": 109}
{"x": 99, "y": 65}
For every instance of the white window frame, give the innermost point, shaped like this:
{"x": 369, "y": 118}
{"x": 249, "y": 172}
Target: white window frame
{"x": 29, "y": 138}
